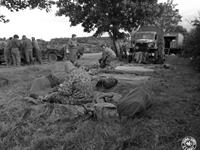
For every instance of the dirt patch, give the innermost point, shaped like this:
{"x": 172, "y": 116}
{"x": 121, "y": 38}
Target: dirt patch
{"x": 127, "y": 77}
{"x": 133, "y": 69}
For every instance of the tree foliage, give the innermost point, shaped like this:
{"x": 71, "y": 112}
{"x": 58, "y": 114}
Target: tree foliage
{"x": 178, "y": 29}
{"x": 3, "y": 19}
{"x": 168, "y": 18}
{"x": 114, "y": 17}
{"x": 111, "y": 16}
{"x": 16, "y": 5}
{"x": 192, "y": 44}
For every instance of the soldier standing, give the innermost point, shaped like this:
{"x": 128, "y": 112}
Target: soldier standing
{"x": 28, "y": 49}
{"x": 72, "y": 44}
{"x": 37, "y": 50}
{"x": 7, "y": 52}
{"x": 15, "y": 45}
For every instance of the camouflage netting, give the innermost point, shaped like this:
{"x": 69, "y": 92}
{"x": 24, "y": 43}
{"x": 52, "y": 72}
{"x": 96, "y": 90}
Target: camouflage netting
{"x": 76, "y": 89}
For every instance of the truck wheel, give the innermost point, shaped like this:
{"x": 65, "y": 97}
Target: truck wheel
{"x": 52, "y": 57}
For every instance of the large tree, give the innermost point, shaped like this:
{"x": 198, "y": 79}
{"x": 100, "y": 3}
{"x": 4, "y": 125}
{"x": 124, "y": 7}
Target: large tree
{"x": 111, "y": 16}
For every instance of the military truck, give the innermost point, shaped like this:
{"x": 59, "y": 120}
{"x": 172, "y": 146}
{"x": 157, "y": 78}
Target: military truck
{"x": 173, "y": 43}
{"x": 150, "y": 40}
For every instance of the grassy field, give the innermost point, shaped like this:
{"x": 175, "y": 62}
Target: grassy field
{"x": 175, "y": 113}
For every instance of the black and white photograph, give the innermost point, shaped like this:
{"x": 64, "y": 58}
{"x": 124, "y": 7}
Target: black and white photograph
{"x": 99, "y": 75}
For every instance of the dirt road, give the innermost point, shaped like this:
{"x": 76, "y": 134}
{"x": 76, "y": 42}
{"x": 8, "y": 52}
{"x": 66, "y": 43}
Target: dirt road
{"x": 175, "y": 114}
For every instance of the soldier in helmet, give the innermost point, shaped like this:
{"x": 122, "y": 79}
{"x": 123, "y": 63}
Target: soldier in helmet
{"x": 73, "y": 48}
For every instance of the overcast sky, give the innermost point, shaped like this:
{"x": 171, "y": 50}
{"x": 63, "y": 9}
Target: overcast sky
{"x": 45, "y": 26}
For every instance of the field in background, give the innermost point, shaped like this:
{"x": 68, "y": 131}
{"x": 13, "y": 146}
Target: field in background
{"x": 90, "y": 44}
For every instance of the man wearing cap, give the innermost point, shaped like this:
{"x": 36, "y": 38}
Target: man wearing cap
{"x": 72, "y": 45}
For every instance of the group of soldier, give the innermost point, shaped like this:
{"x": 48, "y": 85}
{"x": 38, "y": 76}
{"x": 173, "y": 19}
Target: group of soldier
{"x": 18, "y": 52}
{"x": 25, "y": 51}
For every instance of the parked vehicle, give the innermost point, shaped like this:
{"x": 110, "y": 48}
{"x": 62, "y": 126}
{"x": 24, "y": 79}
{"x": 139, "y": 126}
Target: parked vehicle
{"x": 173, "y": 43}
{"x": 149, "y": 40}
{"x": 57, "y": 54}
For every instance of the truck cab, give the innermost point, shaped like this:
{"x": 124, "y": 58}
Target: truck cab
{"x": 149, "y": 41}
{"x": 145, "y": 41}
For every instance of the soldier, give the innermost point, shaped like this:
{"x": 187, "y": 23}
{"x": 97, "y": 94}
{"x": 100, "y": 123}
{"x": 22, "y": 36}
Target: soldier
{"x": 37, "y": 50}
{"x": 2, "y": 44}
{"x": 124, "y": 48}
{"x": 107, "y": 56}
{"x": 2, "y": 47}
{"x": 72, "y": 44}
{"x": 28, "y": 49}
{"x": 7, "y": 52}
{"x": 66, "y": 51}
{"x": 15, "y": 45}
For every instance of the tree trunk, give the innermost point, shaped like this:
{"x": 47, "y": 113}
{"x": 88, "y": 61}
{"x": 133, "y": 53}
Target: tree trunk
{"x": 114, "y": 40}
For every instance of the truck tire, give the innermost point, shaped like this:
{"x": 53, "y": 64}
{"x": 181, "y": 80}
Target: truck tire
{"x": 52, "y": 57}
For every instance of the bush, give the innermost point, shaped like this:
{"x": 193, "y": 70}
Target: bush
{"x": 192, "y": 44}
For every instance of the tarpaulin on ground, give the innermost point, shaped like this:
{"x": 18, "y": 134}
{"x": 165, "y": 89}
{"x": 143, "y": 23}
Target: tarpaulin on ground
{"x": 137, "y": 100}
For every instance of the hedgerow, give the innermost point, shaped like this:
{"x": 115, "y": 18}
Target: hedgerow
{"x": 192, "y": 44}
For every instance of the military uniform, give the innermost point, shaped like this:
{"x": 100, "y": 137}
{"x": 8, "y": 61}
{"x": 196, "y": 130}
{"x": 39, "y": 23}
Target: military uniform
{"x": 37, "y": 50}
{"x": 28, "y": 50}
{"x": 15, "y": 45}
{"x": 107, "y": 56}
{"x": 72, "y": 45}
{"x": 7, "y": 53}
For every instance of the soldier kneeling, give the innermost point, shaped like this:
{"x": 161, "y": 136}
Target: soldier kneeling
{"x": 108, "y": 55}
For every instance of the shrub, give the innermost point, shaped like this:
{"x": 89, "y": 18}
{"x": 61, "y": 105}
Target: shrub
{"x": 192, "y": 44}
